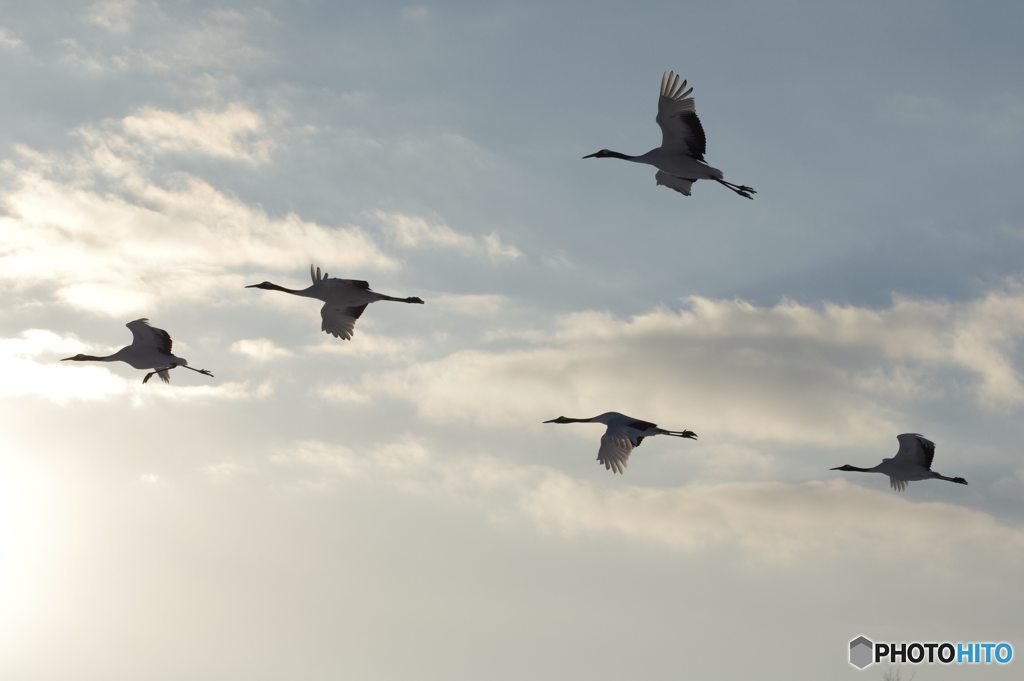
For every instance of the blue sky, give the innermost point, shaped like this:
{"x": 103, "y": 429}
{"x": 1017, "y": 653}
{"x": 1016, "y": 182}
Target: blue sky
{"x": 322, "y": 505}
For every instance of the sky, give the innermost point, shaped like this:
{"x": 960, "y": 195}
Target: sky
{"x": 393, "y": 507}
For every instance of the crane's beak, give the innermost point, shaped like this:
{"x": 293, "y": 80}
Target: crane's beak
{"x": 591, "y": 155}
{"x": 66, "y": 359}
{"x": 551, "y": 421}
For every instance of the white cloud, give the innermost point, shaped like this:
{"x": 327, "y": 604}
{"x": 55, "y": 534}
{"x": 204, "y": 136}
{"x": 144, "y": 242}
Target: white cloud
{"x": 775, "y": 522}
{"x": 398, "y": 457}
{"x": 789, "y": 372}
{"x": 115, "y": 16}
{"x": 558, "y": 261}
{"x": 410, "y": 231}
{"x": 31, "y": 367}
{"x": 496, "y": 249}
{"x": 8, "y": 39}
{"x": 122, "y": 231}
{"x": 226, "y": 471}
{"x": 472, "y": 304}
{"x": 117, "y": 301}
{"x": 234, "y": 390}
{"x": 370, "y": 345}
{"x": 770, "y": 522}
{"x": 235, "y": 133}
{"x": 187, "y": 51}
{"x": 121, "y": 238}
{"x": 259, "y": 349}
{"x": 340, "y": 392}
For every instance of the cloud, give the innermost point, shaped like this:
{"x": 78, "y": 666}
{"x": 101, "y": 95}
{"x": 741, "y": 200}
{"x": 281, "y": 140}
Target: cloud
{"x": 222, "y": 472}
{"x": 121, "y": 234}
{"x": 8, "y": 39}
{"x": 558, "y": 261}
{"x": 115, "y": 16}
{"x": 775, "y": 522}
{"x": 410, "y": 231}
{"x": 813, "y": 375}
{"x": 345, "y": 394}
{"x": 769, "y": 522}
{"x": 259, "y": 349}
{"x": 31, "y": 367}
{"x": 370, "y": 345}
{"x": 122, "y": 226}
{"x": 116, "y": 301}
{"x": 233, "y": 391}
{"x": 472, "y": 304}
{"x": 235, "y": 133}
{"x": 186, "y": 50}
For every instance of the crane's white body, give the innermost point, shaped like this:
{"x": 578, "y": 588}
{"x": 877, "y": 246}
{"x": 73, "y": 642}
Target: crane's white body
{"x": 622, "y": 435}
{"x": 344, "y": 300}
{"x": 680, "y": 158}
{"x": 150, "y": 349}
{"x": 912, "y": 462}
{"x": 677, "y": 165}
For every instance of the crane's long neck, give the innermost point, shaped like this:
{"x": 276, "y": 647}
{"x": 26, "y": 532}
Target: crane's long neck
{"x": 626, "y": 157}
{"x": 116, "y": 357}
{"x": 282, "y": 289}
{"x": 857, "y": 469}
{"x": 566, "y": 419}
{"x": 268, "y": 286}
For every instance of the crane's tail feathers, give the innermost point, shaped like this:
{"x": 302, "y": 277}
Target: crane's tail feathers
{"x": 680, "y": 184}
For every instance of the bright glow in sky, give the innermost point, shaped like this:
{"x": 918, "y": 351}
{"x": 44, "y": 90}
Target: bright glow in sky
{"x": 392, "y": 507}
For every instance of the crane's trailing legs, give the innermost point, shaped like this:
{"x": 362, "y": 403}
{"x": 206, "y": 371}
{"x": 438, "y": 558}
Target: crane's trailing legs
{"x": 741, "y": 189}
{"x": 163, "y": 375}
{"x": 410, "y": 299}
{"x": 682, "y": 433}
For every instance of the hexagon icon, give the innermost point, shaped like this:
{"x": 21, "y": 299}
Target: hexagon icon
{"x": 862, "y": 652}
